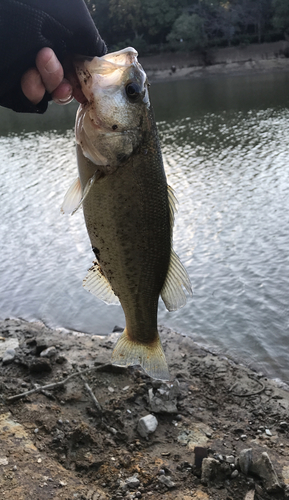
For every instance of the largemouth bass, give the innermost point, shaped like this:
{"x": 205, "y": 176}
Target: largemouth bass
{"x": 127, "y": 204}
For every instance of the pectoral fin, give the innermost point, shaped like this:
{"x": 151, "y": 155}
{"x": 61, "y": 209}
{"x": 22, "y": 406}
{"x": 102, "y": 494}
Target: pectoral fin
{"x": 172, "y": 292}
{"x": 97, "y": 284}
{"x": 74, "y": 197}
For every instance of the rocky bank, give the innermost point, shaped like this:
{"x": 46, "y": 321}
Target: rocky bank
{"x": 254, "y": 58}
{"x": 74, "y": 427}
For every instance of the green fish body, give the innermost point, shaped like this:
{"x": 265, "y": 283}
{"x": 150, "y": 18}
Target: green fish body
{"x": 127, "y": 205}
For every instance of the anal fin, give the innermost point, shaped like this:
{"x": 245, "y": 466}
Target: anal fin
{"x": 97, "y": 284}
{"x": 172, "y": 292}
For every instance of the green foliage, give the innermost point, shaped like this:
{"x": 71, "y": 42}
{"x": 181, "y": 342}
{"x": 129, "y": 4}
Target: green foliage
{"x": 160, "y": 16}
{"x": 281, "y": 16}
{"x": 188, "y": 33}
{"x": 151, "y": 25}
{"x": 126, "y": 15}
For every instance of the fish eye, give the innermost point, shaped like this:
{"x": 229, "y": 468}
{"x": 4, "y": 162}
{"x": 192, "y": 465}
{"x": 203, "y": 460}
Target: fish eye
{"x": 132, "y": 91}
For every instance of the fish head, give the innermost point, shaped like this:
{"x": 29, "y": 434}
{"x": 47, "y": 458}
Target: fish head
{"x": 110, "y": 125}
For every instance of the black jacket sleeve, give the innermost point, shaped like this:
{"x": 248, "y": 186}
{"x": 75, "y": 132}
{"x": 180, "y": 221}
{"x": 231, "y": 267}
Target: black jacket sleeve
{"x": 26, "y": 26}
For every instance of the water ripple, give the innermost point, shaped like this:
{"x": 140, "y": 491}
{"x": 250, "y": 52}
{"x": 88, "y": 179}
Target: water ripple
{"x": 229, "y": 170}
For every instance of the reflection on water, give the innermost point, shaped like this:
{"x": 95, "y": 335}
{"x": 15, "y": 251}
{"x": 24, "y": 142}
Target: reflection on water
{"x": 225, "y": 154}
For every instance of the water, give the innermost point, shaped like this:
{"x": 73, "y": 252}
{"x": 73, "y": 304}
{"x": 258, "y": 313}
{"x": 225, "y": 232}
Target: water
{"x": 225, "y": 143}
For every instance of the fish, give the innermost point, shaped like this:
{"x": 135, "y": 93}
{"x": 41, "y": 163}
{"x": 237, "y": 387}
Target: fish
{"x": 128, "y": 207}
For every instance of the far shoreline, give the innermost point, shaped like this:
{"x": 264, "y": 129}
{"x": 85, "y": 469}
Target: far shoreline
{"x": 229, "y": 61}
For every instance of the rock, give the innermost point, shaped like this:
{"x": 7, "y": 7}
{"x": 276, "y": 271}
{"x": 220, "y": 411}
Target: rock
{"x": 265, "y": 470}
{"x": 200, "y": 454}
{"x": 250, "y": 495}
{"x": 41, "y": 346}
{"x": 117, "y": 329}
{"x": 268, "y": 432}
{"x": 9, "y": 356}
{"x": 230, "y": 459}
{"x": 245, "y": 460}
{"x": 49, "y": 352}
{"x": 61, "y": 359}
{"x": 164, "y": 399}
{"x": 132, "y": 482}
{"x": 8, "y": 344}
{"x": 195, "y": 435}
{"x": 210, "y": 470}
{"x": 147, "y": 425}
{"x": 167, "y": 481}
{"x": 283, "y": 425}
{"x": 40, "y": 365}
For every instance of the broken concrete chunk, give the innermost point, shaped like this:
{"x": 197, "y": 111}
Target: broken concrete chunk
{"x": 167, "y": 481}
{"x": 200, "y": 454}
{"x": 265, "y": 470}
{"x": 210, "y": 470}
{"x": 9, "y": 356}
{"x": 250, "y": 495}
{"x": 47, "y": 353}
{"x": 245, "y": 460}
{"x": 132, "y": 482}
{"x": 147, "y": 425}
{"x": 42, "y": 344}
{"x": 164, "y": 398}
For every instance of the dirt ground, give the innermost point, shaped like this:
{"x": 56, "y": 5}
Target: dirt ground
{"x": 216, "y": 431}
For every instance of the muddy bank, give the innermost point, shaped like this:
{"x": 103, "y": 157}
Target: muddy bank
{"x": 266, "y": 57}
{"x": 217, "y": 431}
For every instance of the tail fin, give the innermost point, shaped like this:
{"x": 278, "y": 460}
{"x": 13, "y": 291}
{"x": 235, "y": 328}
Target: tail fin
{"x": 150, "y": 357}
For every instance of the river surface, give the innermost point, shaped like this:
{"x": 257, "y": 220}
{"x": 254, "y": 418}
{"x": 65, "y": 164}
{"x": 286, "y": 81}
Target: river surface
{"x": 225, "y": 144}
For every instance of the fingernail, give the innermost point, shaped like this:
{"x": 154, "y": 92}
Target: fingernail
{"x": 67, "y": 100}
{"x": 52, "y": 65}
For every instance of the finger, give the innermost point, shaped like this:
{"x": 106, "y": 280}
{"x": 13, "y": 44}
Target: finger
{"x": 74, "y": 81}
{"x": 63, "y": 93}
{"x": 32, "y": 86}
{"x": 50, "y": 69}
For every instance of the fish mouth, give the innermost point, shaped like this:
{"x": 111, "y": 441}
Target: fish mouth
{"x": 108, "y": 71}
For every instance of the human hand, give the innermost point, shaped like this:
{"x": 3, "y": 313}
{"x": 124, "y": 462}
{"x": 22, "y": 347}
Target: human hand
{"x": 49, "y": 75}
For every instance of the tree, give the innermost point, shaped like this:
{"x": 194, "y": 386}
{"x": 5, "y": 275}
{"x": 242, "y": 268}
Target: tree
{"x": 99, "y": 11}
{"x": 160, "y": 16}
{"x": 281, "y": 16}
{"x": 127, "y": 16}
{"x": 188, "y": 32}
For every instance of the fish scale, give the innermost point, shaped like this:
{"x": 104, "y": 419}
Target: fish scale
{"x": 127, "y": 204}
